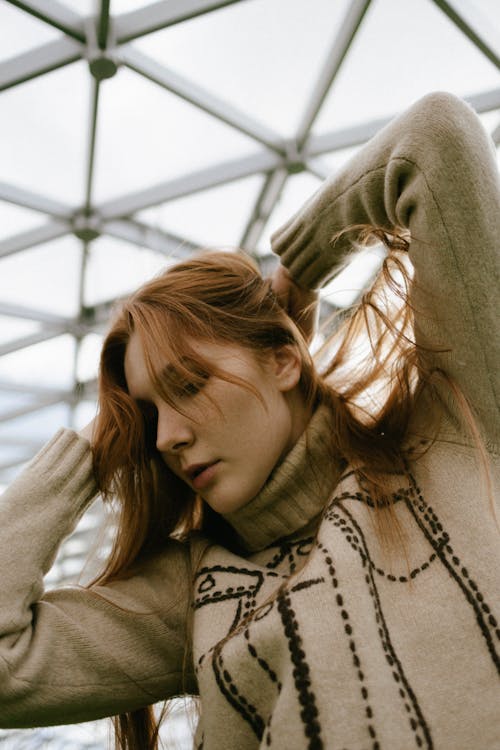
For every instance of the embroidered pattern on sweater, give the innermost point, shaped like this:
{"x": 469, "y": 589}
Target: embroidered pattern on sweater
{"x": 217, "y": 585}
{"x": 432, "y": 529}
{"x": 356, "y": 539}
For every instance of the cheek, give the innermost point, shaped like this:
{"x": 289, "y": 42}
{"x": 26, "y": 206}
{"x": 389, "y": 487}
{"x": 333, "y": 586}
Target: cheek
{"x": 263, "y": 428}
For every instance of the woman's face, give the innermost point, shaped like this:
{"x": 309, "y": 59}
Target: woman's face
{"x": 227, "y": 442}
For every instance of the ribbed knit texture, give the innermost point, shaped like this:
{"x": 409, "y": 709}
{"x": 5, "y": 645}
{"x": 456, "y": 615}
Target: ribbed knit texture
{"x": 289, "y": 500}
{"x": 317, "y": 637}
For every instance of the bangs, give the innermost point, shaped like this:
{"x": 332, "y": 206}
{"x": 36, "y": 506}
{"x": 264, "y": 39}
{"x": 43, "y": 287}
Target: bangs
{"x": 175, "y": 364}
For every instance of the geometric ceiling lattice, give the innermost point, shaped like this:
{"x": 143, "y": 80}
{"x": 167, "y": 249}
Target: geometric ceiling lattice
{"x": 133, "y": 133}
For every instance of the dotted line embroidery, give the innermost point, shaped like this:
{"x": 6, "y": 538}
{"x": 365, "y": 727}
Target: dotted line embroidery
{"x": 416, "y": 718}
{"x": 207, "y": 583}
{"x": 228, "y": 688}
{"x": 262, "y": 662}
{"x": 354, "y": 540}
{"x": 301, "y": 673}
{"x": 352, "y": 645}
{"x": 289, "y": 550}
{"x": 487, "y": 622}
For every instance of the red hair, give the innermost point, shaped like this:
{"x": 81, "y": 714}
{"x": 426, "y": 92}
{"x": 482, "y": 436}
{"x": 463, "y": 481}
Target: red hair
{"x": 221, "y": 296}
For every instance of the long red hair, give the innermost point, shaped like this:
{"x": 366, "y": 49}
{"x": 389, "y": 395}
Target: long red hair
{"x": 222, "y": 296}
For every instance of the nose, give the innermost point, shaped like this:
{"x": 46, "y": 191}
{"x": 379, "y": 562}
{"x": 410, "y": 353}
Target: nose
{"x": 174, "y": 432}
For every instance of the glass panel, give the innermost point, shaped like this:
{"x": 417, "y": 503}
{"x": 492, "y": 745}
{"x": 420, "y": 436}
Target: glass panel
{"x": 236, "y": 50}
{"x": 12, "y": 454}
{"x": 297, "y": 190}
{"x": 43, "y": 133}
{"x": 490, "y": 120}
{"x": 40, "y": 425}
{"x": 20, "y": 32}
{"x": 335, "y": 160}
{"x": 215, "y": 217}
{"x": 14, "y": 219}
{"x": 146, "y": 135}
{"x": 11, "y": 401}
{"x": 44, "y": 278}
{"x": 15, "y": 328}
{"x": 83, "y": 413}
{"x": 126, "y": 6}
{"x": 49, "y": 363}
{"x": 115, "y": 268}
{"x": 88, "y": 357}
{"x": 84, "y": 7}
{"x": 483, "y": 17}
{"x": 346, "y": 287}
{"x": 401, "y": 52}
{"x": 7, "y": 476}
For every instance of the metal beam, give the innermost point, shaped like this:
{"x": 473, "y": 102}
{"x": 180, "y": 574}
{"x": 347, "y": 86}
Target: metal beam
{"x": 22, "y": 411}
{"x": 17, "y": 441}
{"x": 24, "y": 240}
{"x": 31, "y": 340}
{"x": 200, "y": 97}
{"x": 337, "y": 140}
{"x": 475, "y": 36}
{"x": 359, "y": 134}
{"x": 12, "y": 464}
{"x": 82, "y": 391}
{"x": 263, "y": 208}
{"x": 153, "y": 238}
{"x": 91, "y": 146}
{"x": 36, "y": 62}
{"x": 35, "y": 202}
{"x": 55, "y": 14}
{"x": 161, "y": 14}
{"x": 219, "y": 174}
{"x": 486, "y": 101}
{"x": 103, "y": 25}
{"x": 338, "y": 51}
{"x": 318, "y": 168}
{"x": 26, "y": 313}
{"x": 496, "y": 135}
{"x": 31, "y": 389}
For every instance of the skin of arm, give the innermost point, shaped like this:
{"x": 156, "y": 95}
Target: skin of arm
{"x": 300, "y": 303}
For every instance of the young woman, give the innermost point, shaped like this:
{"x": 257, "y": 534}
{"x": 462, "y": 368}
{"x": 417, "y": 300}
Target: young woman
{"x": 315, "y": 555}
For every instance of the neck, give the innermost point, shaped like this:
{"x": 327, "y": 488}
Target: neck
{"x": 300, "y": 413}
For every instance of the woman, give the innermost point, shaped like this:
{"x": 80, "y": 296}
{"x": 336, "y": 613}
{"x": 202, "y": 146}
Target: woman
{"x": 322, "y": 568}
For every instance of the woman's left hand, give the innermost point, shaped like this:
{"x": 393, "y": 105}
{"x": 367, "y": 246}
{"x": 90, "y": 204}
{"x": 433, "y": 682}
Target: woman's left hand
{"x": 301, "y": 304}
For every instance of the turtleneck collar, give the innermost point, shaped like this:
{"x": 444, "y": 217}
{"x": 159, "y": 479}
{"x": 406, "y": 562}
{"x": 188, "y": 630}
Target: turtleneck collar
{"x": 296, "y": 491}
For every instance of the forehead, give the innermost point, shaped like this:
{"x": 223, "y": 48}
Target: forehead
{"x": 136, "y": 371}
{"x": 220, "y": 355}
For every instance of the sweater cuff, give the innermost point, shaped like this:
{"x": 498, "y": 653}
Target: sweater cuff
{"x": 62, "y": 467}
{"x": 308, "y": 265}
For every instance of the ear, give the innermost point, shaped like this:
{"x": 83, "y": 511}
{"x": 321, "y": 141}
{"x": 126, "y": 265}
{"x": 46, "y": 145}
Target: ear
{"x": 286, "y": 367}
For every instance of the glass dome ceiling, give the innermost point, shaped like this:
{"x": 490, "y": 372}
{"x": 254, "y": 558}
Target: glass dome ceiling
{"x": 133, "y": 133}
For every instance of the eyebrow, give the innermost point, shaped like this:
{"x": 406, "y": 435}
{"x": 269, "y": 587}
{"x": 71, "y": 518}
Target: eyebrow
{"x": 191, "y": 365}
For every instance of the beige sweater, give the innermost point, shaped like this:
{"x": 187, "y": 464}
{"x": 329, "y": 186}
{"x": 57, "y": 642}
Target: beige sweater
{"x": 355, "y": 652}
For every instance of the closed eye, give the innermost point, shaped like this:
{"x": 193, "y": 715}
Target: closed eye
{"x": 184, "y": 388}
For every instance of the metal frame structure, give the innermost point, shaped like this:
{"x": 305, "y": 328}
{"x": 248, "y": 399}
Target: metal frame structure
{"x": 107, "y": 42}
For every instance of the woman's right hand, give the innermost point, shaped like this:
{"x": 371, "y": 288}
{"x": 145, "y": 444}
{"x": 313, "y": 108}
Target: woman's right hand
{"x": 301, "y": 304}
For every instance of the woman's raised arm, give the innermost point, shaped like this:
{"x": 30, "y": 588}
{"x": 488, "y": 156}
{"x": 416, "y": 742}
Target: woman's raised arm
{"x": 76, "y": 654}
{"x": 432, "y": 171}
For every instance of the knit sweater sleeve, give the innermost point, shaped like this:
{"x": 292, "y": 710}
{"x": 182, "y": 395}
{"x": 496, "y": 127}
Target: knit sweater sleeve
{"x": 76, "y": 654}
{"x": 433, "y": 172}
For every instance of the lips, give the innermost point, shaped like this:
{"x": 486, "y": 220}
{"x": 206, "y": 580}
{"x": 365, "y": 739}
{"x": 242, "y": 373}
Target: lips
{"x": 201, "y": 474}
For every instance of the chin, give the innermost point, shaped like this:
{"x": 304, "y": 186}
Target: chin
{"x": 228, "y": 502}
